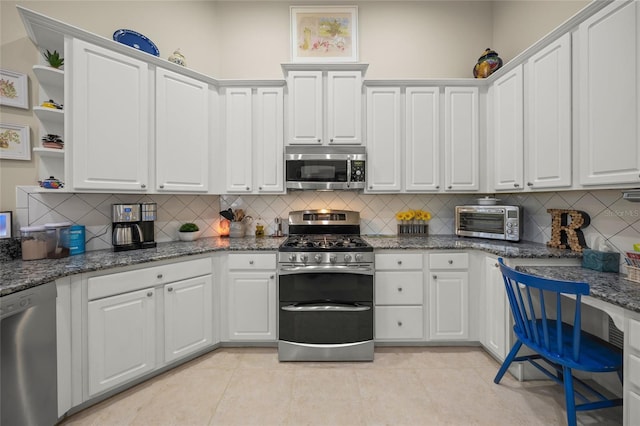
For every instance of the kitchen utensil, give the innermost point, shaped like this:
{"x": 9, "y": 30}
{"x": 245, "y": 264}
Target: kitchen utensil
{"x": 227, "y": 214}
{"x": 239, "y": 215}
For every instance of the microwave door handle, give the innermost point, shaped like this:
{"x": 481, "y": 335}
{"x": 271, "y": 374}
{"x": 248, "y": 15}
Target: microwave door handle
{"x": 348, "y": 173}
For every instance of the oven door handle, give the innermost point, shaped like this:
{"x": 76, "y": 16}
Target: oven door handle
{"x": 326, "y": 308}
{"x": 362, "y": 270}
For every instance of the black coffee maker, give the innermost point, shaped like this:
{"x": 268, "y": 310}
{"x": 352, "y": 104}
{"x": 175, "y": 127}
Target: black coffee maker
{"x": 133, "y": 226}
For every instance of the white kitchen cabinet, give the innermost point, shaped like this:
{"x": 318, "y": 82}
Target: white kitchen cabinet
{"x": 508, "y": 131}
{"x": 251, "y": 297}
{"x": 496, "y": 311}
{"x": 548, "y": 116}
{"x": 324, "y": 107}
{"x": 254, "y": 139}
{"x": 128, "y": 311}
{"x": 608, "y": 95}
{"x": 461, "y": 139}
{"x": 121, "y": 339}
{"x": 448, "y": 296}
{"x": 182, "y": 133}
{"x": 188, "y": 313}
{"x": 422, "y": 139}
{"x": 632, "y": 371}
{"x": 399, "y": 297}
{"x": 384, "y": 139}
{"x": 109, "y": 109}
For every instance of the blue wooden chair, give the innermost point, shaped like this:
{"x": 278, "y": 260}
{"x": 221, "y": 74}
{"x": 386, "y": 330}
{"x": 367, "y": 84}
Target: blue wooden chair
{"x": 562, "y": 346}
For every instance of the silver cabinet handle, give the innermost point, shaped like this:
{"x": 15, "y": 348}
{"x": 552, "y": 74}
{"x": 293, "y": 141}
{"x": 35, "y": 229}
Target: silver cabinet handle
{"x": 259, "y": 188}
{"x": 334, "y": 308}
{"x": 437, "y": 186}
{"x": 516, "y": 185}
{"x": 143, "y": 186}
{"x": 331, "y": 140}
{"x": 399, "y": 262}
{"x": 251, "y": 262}
{"x": 435, "y": 277}
{"x": 149, "y": 294}
{"x": 529, "y": 184}
{"x": 450, "y": 186}
{"x": 272, "y": 277}
{"x": 496, "y": 265}
{"x": 161, "y": 186}
{"x": 159, "y": 276}
{"x": 399, "y": 323}
{"x": 319, "y": 140}
{"x": 400, "y": 289}
{"x": 170, "y": 289}
{"x": 450, "y": 262}
{"x": 248, "y": 189}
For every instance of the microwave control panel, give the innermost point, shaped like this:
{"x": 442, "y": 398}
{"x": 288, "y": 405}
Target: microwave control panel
{"x": 357, "y": 171}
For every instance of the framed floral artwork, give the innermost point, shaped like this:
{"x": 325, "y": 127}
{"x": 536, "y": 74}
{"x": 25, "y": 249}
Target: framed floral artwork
{"x": 14, "y": 142}
{"x": 14, "y": 90}
{"x": 324, "y": 34}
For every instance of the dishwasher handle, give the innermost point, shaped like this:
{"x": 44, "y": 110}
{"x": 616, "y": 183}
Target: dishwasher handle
{"x": 325, "y": 307}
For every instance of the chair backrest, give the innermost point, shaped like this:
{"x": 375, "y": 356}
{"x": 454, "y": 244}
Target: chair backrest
{"x": 530, "y": 313}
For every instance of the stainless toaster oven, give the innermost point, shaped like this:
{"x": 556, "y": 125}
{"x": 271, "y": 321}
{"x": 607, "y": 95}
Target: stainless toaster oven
{"x": 494, "y": 222}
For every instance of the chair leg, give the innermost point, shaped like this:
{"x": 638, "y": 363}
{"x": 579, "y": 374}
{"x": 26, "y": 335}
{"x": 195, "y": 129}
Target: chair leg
{"x": 569, "y": 396}
{"x": 507, "y": 362}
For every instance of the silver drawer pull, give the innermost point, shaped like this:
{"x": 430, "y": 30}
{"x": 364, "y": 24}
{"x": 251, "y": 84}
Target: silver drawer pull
{"x": 332, "y": 308}
{"x": 399, "y": 262}
{"x": 399, "y": 323}
{"x": 450, "y": 262}
{"x": 400, "y": 289}
{"x": 170, "y": 289}
{"x": 149, "y": 294}
{"x": 251, "y": 262}
{"x": 159, "y": 276}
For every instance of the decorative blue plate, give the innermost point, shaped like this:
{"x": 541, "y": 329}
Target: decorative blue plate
{"x": 136, "y": 40}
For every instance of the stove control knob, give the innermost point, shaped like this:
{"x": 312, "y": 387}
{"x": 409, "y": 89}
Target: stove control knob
{"x": 347, "y": 258}
{"x": 318, "y": 258}
{"x": 333, "y": 258}
{"x": 304, "y": 258}
{"x": 292, "y": 257}
{"x": 358, "y": 257}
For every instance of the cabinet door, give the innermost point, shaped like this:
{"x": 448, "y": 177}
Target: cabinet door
{"x": 548, "y": 140}
{"x": 422, "y": 136}
{"x": 508, "y": 131}
{"x": 609, "y": 100}
{"x": 383, "y": 139}
{"x": 182, "y": 133}
{"x": 109, "y": 119}
{"x": 121, "y": 339}
{"x": 252, "y": 306}
{"x": 448, "y": 305}
{"x": 399, "y": 322}
{"x": 269, "y": 143}
{"x": 188, "y": 325}
{"x": 461, "y": 139}
{"x": 238, "y": 138}
{"x": 496, "y": 314}
{"x": 305, "y": 107}
{"x": 344, "y": 107}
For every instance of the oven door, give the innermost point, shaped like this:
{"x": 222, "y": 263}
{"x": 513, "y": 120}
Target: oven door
{"x": 484, "y": 224}
{"x": 325, "y": 316}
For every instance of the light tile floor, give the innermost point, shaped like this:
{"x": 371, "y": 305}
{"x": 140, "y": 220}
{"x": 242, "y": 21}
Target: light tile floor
{"x": 403, "y": 386}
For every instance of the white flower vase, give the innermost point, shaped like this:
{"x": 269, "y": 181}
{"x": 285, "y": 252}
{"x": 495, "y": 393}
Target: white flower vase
{"x": 189, "y": 236}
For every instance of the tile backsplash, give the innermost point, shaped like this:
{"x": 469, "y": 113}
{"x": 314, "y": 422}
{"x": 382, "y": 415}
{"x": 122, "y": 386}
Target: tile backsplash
{"x": 612, "y": 219}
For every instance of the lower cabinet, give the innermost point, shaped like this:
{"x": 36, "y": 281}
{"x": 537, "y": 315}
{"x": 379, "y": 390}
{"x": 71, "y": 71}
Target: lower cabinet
{"x": 632, "y": 372}
{"x": 448, "y": 296}
{"x": 251, "y": 297}
{"x": 128, "y": 312}
{"x": 399, "y": 293}
{"x": 496, "y": 312}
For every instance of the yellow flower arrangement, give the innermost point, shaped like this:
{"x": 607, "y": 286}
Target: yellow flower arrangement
{"x": 413, "y": 214}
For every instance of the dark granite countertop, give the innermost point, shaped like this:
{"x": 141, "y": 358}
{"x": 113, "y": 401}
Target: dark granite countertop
{"x": 611, "y": 287}
{"x": 19, "y": 275}
{"x": 522, "y": 249}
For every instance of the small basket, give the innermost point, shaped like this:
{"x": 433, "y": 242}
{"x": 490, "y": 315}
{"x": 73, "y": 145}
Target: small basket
{"x": 413, "y": 230}
{"x": 633, "y": 274}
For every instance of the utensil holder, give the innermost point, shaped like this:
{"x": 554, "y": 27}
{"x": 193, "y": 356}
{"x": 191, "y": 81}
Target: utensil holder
{"x": 413, "y": 230}
{"x": 237, "y": 230}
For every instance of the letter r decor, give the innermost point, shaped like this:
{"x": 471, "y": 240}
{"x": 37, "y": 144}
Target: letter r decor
{"x": 565, "y": 232}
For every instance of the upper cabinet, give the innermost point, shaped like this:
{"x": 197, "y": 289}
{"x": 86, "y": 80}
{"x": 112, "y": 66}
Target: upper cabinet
{"x": 461, "y": 139}
{"x": 182, "y": 132}
{"x": 608, "y": 95}
{"x": 109, "y": 118}
{"x": 254, "y": 139}
{"x": 324, "y": 106}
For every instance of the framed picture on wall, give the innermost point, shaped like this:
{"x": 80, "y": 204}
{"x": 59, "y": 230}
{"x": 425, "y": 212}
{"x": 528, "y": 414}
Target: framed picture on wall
{"x": 14, "y": 142}
{"x": 14, "y": 90}
{"x": 6, "y": 225}
{"x": 324, "y": 34}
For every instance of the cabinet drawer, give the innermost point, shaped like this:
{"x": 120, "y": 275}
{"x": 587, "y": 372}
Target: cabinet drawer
{"x": 399, "y": 288}
{"x": 633, "y": 403}
{"x": 448, "y": 261}
{"x": 252, "y": 261}
{"x": 122, "y": 282}
{"x": 634, "y": 334}
{"x": 398, "y": 261}
{"x": 399, "y": 322}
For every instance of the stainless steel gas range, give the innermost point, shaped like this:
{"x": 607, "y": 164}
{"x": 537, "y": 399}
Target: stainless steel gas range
{"x": 325, "y": 289}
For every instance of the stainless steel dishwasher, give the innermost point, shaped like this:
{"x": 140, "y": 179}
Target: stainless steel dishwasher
{"x": 28, "y": 357}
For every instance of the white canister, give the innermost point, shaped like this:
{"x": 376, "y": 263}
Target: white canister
{"x": 237, "y": 230}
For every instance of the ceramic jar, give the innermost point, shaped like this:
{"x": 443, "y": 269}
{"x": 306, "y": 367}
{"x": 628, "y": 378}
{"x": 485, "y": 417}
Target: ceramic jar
{"x": 237, "y": 230}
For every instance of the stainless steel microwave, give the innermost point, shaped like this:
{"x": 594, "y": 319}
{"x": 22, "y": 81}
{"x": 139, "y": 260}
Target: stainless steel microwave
{"x": 325, "y": 167}
{"x": 494, "y": 222}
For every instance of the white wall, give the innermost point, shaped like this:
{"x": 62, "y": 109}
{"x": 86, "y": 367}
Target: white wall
{"x": 250, "y": 39}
